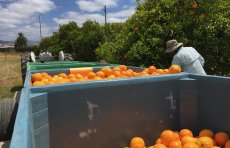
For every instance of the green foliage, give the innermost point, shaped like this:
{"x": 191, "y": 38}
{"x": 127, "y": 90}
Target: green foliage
{"x": 87, "y": 40}
{"x": 67, "y": 35}
{"x": 20, "y": 42}
{"x": 142, "y": 40}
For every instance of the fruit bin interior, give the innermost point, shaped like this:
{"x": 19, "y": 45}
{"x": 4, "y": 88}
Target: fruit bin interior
{"x": 108, "y": 113}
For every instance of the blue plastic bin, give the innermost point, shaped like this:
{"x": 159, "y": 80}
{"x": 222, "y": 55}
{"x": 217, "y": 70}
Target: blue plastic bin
{"x": 109, "y": 113}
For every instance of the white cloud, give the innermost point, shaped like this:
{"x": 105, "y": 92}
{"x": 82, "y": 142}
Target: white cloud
{"x": 21, "y": 15}
{"x": 31, "y": 32}
{"x": 95, "y": 5}
{"x": 80, "y": 18}
{"x": 19, "y": 11}
{"x": 123, "y": 13}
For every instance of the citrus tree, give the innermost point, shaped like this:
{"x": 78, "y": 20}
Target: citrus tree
{"x": 203, "y": 24}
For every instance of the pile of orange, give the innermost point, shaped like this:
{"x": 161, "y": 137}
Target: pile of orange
{"x": 39, "y": 79}
{"x": 186, "y": 139}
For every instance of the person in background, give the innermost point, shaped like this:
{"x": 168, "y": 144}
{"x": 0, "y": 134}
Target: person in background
{"x": 187, "y": 58}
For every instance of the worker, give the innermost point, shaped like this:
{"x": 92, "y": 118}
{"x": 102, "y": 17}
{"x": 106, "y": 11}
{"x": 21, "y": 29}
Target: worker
{"x": 187, "y": 58}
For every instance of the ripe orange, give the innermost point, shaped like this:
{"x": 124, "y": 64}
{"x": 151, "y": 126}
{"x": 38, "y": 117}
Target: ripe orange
{"x": 50, "y": 83}
{"x": 79, "y": 76}
{"x": 165, "y": 71}
{"x": 159, "y": 146}
{"x": 97, "y": 78}
{"x": 100, "y": 74}
{"x": 189, "y": 139}
{"x": 206, "y": 142}
{"x": 36, "y": 77}
{"x": 151, "y": 69}
{"x": 190, "y": 145}
{"x": 194, "y": 5}
{"x": 175, "y": 144}
{"x": 160, "y": 71}
{"x": 38, "y": 83}
{"x": 117, "y": 73}
{"x": 227, "y": 144}
{"x": 206, "y": 132}
{"x": 174, "y": 69}
{"x": 158, "y": 141}
{"x": 221, "y": 138}
{"x": 45, "y": 75}
{"x": 107, "y": 71}
{"x": 116, "y": 69}
{"x": 167, "y": 136}
{"x": 128, "y": 73}
{"x": 123, "y": 67}
{"x": 71, "y": 76}
{"x": 185, "y": 132}
{"x": 91, "y": 75}
{"x": 73, "y": 79}
{"x": 111, "y": 77}
{"x": 63, "y": 75}
{"x": 137, "y": 142}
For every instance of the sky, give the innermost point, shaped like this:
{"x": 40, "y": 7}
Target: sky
{"x": 23, "y": 15}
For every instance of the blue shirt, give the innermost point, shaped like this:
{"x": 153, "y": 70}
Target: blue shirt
{"x": 189, "y": 60}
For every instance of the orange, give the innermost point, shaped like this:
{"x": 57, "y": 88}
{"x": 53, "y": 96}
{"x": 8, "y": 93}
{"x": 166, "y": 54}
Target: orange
{"x": 206, "y": 142}
{"x": 159, "y": 146}
{"x": 79, "y": 76}
{"x": 175, "y": 144}
{"x": 116, "y": 69}
{"x": 185, "y": 132}
{"x": 214, "y": 142}
{"x": 190, "y": 145}
{"x": 158, "y": 141}
{"x": 166, "y": 71}
{"x": 206, "y": 132}
{"x": 44, "y": 74}
{"x": 97, "y": 78}
{"x": 36, "y": 77}
{"x": 107, "y": 71}
{"x": 160, "y": 71}
{"x": 60, "y": 81}
{"x": 194, "y": 5}
{"x": 151, "y": 69}
{"x": 221, "y": 138}
{"x": 144, "y": 73}
{"x": 71, "y": 76}
{"x": 45, "y": 80}
{"x": 100, "y": 74}
{"x": 128, "y": 73}
{"x": 137, "y": 142}
{"x": 73, "y": 79}
{"x": 50, "y": 83}
{"x": 55, "y": 76}
{"x": 227, "y": 144}
{"x": 167, "y": 136}
{"x": 174, "y": 69}
{"x": 91, "y": 75}
{"x": 38, "y": 83}
{"x": 117, "y": 73}
{"x": 189, "y": 139}
{"x": 63, "y": 75}
{"x": 111, "y": 77}
{"x": 154, "y": 73}
{"x": 123, "y": 67}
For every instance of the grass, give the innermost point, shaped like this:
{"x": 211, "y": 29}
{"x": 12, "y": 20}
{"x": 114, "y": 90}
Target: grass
{"x": 10, "y": 74}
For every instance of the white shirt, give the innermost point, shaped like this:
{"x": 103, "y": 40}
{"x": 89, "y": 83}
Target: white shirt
{"x": 189, "y": 60}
